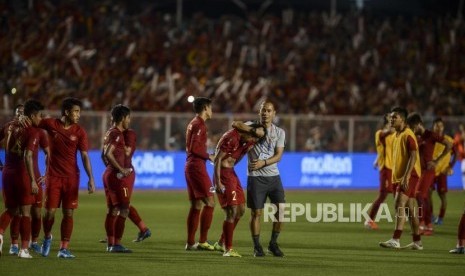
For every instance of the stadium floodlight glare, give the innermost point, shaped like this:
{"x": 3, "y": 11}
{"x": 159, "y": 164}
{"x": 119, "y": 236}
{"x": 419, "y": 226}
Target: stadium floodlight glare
{"x": 13, "y": 90}
{"x": 190, "y": 99}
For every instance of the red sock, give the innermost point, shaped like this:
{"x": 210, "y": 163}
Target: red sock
{"x": 25, "y": 230}
{"x": 228, "y": 231}
{"x": 376, "y": 204}
{"x": 205, "y": 222}
{"x": 397, "y": 234}
{"x": 461, "y": 231}
{"x": 110, "y": 228}
{"x": 47, "y": 225}
{"x": 427, "y": 211}
{"x": 14, "y": 229}
{"x": 136, "y": 219}
{"x": 66, "y": 228}
{"x": 119, "y": 228}
{"x": 192, "y": 225}
{"x": 5, "y": 219}
{"x": 36, "y": 224}
{"x": 221, "y": 240}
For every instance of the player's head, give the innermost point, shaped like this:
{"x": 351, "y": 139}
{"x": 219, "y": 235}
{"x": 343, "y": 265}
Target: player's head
{"x": 71, "y": 109}
{"x": 438, "y": 125}
{"x": 202, "y": 104}
{"x": 33, "y": 110}
{"x": 398, "y": 117}
{"x": 267, "y": 112}
{"x": 256, "y": 136}
{"x": 121, "y": 114}
{"x": 415, "y": 122}
{"x": 18, "y": 110}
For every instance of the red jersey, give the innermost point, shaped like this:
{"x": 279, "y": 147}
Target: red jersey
{"x": 64, "y": 144}
{"x": 4, "y": 129}
{"x": 130, "y": 140}
{"x": 231, "y": 144}
{"x": 114, "y": 137}
{"x": 459, "y": 145}
{"x": 196, "y": 141}
{"x": 20, "y": 139}
{"x": 426, "y": 143}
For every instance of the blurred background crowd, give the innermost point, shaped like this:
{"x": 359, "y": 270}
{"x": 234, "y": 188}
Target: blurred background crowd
{"x": 311, "y": 60}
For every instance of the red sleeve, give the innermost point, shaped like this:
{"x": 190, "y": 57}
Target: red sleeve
{"x": 198, "y": 141}
{"x": 130, "y": 138}
{"x": 437, "y": 138}
{"x": 411, "y": 145}
{"x": 114, "y": 138}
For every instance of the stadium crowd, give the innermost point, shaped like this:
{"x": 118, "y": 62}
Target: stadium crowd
{"x": 308, "y": 62}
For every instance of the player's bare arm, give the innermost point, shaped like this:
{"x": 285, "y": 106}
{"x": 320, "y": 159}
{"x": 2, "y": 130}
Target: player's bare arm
{"x": 30, "y": 171}
{"x": 258, "y": 164}
{"x": 88, "y": 169}
{"x": 447, "y": 148}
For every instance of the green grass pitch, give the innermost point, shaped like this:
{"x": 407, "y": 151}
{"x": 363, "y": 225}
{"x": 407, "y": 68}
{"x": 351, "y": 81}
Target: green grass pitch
{"x": 310, "y": 248}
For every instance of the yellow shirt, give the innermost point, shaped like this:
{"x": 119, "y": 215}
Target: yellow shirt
{"x": 443, "y": 164}
{"x": 384, "y": 150}
{"x": 400, "y": 154}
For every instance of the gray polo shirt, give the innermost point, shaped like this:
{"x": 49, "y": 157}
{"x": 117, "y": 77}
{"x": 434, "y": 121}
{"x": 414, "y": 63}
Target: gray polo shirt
{"x": 275, "y": 138}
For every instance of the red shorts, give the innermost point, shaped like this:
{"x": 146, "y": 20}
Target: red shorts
{"x": 117, "y": 190}
{"x": 412, "y": 187}
{"x": 233, "y": 195}
{"x": 62, "y": 191}
{"x": 426, "y": 181}
{"x": 16, "y": 189}
{"x": 198, "y": 181}
{"x": 440, "y": 183}
{"x": 385, "y": 181}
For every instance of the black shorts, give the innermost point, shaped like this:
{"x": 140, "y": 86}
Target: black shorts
{"x": 261, "y": 187}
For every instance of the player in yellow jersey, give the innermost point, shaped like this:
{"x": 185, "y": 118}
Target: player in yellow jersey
{"x": 406, "y": 172}
{"x": 443, "y": 168}
{"x": 383, "y": 142}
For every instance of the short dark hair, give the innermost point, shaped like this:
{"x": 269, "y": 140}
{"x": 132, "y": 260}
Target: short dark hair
{"x": 254, "y": 133}
{"x": 68, "y": 104}
{"x": 437, "y": 120}
{"x": 32, "y": 107}
{"x": 414, "y": 119}
{"x": 118, "y": 112}
{"x": 200, "y": 103}
{"x": 269, "y": 102}
{"x": 401, "y": 111}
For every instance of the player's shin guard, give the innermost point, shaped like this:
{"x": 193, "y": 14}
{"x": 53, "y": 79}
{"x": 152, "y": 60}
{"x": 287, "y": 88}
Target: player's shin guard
{"x": 66, "y": 229}
{"x": 228, "y": 232}
{"x": 192, "y": 225}
{"x": 119, "y": 229}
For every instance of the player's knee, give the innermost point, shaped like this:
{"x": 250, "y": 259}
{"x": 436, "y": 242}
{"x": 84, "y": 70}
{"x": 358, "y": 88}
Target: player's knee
{"x": 124, "y": 212}
{"x": 256, "y": 213}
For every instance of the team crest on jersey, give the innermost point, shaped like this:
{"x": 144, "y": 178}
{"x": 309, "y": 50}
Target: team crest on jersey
{"x": 73, "y": 137}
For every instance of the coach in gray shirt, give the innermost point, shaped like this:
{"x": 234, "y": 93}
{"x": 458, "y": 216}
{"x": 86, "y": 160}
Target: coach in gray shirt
{"x": 263, "y": 176}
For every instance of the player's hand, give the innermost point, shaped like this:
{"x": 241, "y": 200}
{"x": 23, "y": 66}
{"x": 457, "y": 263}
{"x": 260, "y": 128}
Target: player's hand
{"x": 41, "y": 180}
{"x": 256, "y": 164}
{"x": 404, "y": 184}
{"x": 126, "y": 171}
{"x": 211, "y": 157}
{"x": 91, "y": 186}
{"x": 220, "y": 188}
{"x": 24, "y": 121}
{"x": 259, "y": 132}
{"x": 431, "y": 165}
{"x": 34, "y": 187}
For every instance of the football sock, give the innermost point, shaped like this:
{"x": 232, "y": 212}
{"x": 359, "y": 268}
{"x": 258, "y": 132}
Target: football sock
{"x": 461, "y": 231}
{"x": 110, "y": 228}
{"x": 192, "y": 225}
{"x": 119, "y": 228}
{"x": 205, "y": 222}
{"x": 14, "y": 229}
{"x": 5, "y": 219}
{"x": 397, "y": 234}
{"x": 25, "y": 230}
{"x": 36, "y": 225}
{"x": 47, "y": 225}
{"x": 256, "y": 240}
{"x": 136, "y": 219}
{"x": 228, "y": 232}
{"x": 66, "y": 228}
{"x": 274, "y": 237}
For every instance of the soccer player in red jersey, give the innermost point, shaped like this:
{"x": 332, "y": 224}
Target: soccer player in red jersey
{"x": 232, "y": 146}
{"x": 19, "y": 180}
{"x": 406, "y": 171}
{"x": 198, "y": 182}
{"x": 117, "y": 187}
{"x": 66, "y": 137}
{"x": 383, "y": 142}
{"x": 130, "y": 147}
{"x": 426, "y": 141}
{"x": 7, "y": 216}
